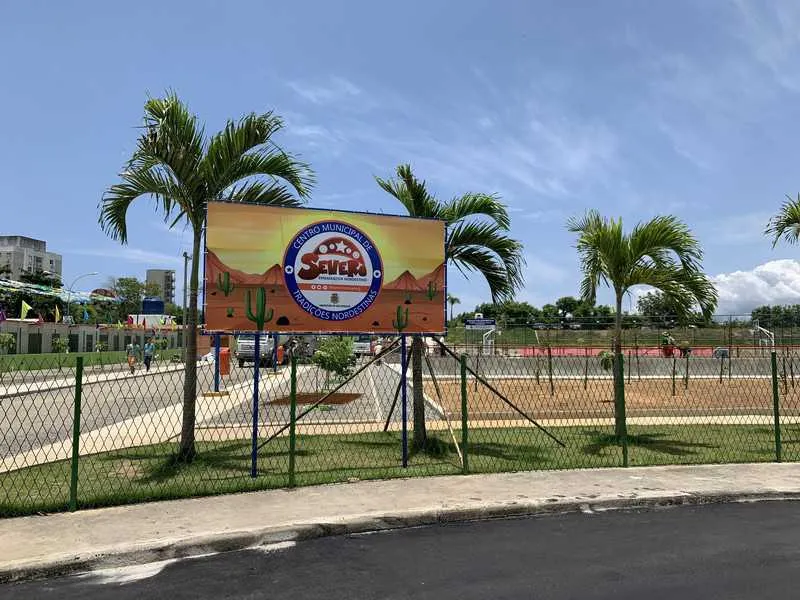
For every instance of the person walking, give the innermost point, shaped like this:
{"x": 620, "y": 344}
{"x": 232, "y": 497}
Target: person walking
{"x": 149, "y": 350}
{"x": 133, "y": 351}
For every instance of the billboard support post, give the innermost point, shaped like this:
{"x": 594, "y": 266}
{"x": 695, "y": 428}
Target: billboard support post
{"x": 254, "y": 451}
{"x": 216, "y": 361}
{"x": 404, "y": 399}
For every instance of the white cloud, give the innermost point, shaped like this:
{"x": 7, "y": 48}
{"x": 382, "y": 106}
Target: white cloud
{"x": 334, "y": 90}
{"x": 772, "y": 32}
{"x": 774, "y": 282}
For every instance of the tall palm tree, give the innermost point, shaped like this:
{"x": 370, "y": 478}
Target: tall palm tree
{"x": 452, "y": 301}
{"x": 785, "y": 224}
{"x": 178, "y": 167}
{"x": 661, "y": 253}
{"x": 477, "y": 241}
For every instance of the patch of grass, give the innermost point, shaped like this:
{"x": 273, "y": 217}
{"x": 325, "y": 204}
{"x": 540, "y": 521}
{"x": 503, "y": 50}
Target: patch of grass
{"x": 151, "y": 472}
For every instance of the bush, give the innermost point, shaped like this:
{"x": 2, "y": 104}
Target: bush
{"x": 335, "y": 355}
{"x": 7, "y": 343}
{"x": 60, "y": 345}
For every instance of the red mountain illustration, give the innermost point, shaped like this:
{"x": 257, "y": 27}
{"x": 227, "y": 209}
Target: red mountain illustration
{"x": 436, "y": 276}
{"x": 405, "y": 283}
{"x": 214, "y": 266}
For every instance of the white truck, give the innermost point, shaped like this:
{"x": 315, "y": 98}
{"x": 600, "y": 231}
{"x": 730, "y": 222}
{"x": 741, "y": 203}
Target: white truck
{"x": 246, "y": 349}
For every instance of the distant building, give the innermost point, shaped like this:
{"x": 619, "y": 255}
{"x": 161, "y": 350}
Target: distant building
{"x": 165, "y": 280}
{"x": 20, "y": 253}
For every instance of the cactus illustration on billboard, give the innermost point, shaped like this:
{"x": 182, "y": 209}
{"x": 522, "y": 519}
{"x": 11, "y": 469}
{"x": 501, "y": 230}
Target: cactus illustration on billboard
{"x": 262, "y": 314}
{"x": 402, "y": 320}
{"x": 229, "y": 313}
{"x": 432, "y": 290}
{"x": 224, "y": 284}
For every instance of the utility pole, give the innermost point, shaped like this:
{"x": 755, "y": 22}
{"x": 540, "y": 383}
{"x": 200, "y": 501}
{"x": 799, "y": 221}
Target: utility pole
{"x": 186, "y": 258}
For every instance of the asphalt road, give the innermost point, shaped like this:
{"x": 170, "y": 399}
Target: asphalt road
{"x": 731, "y": 552}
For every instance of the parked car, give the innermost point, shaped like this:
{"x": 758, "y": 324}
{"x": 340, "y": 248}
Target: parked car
{"x": 721, "y": 352}
{"x": 246, "y": 347}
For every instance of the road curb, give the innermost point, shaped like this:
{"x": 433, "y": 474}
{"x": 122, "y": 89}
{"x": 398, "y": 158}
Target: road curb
{"x": 134, "y": 554}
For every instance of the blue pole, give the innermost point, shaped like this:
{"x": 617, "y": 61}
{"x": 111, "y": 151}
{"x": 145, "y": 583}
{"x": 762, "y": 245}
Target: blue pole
{"x": 254, "y": 451}
{"x": 404, "y": 398}
{"x": 216, "y": 361}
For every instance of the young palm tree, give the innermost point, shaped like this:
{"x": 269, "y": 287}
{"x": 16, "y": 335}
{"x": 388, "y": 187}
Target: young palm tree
{"x": 661, "y": 253}
{"x": 786, "y": 224}
{"x": 175, "y": 165}
{"x": 452, "y": 301}
{"x": 477, "y": 241}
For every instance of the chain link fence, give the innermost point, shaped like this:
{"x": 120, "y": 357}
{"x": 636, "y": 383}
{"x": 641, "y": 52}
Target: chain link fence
{"x": 96, "y": 435}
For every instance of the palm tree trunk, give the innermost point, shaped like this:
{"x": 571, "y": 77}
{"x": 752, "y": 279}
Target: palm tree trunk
{"x": 420, "y": 440}
{"x": 620, "y": 429}
{"x": 187, "y": 449}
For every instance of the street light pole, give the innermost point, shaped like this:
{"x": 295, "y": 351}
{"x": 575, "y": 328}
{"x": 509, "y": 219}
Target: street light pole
{"x": 72, "y": 286}
{"x": 186, "y": 257}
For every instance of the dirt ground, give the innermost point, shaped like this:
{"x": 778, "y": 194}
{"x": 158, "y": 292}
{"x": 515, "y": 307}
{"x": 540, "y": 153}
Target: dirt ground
{"x": 311, "y": 398}
{"x": 643, "y": 398}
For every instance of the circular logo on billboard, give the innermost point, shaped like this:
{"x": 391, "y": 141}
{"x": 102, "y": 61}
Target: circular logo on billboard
{"x": 332, "y": 270}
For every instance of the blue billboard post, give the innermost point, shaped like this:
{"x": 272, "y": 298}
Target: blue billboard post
{"x": 216, "y": 361}
{"x": 254, "y": 451}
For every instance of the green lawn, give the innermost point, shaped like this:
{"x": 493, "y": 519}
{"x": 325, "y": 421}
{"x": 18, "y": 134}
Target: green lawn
{"x": 147, "y": 473}
{"x": 35, "y": 362}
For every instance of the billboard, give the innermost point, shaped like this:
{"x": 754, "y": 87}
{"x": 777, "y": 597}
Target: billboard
{"x": 301, "y": 270}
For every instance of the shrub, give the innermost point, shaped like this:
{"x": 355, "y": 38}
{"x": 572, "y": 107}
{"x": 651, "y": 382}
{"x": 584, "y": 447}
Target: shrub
{"x": 335, "y": 355}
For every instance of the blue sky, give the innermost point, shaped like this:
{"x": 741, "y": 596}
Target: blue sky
{"x": 633, "y": 108}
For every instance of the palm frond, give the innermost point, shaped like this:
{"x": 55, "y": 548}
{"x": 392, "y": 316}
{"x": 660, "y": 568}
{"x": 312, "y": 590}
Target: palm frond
{"x": 158, "y": 184}
{"x": 411, "y": 193}
{"x": 786, "y": 224}
{"x": 271, "y": 163}
{"x": 261, "y": 192}
{"x": 662, "y": 239}
{"x": 661, "y": 253}
{"x": 483, "y": 241}
{"x": 245, "y": 148}
{"x": 173, "y": 137}
{"x": 469, "y": 205}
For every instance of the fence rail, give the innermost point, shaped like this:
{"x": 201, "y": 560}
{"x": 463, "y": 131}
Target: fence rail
{"x": 83, "y": 436}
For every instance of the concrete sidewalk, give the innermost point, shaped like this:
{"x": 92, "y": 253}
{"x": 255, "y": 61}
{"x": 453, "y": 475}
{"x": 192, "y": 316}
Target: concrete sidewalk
{"x": 62, "y": 543}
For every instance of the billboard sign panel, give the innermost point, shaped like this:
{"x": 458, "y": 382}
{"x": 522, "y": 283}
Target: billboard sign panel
{"x": 480, "y": 324}
{"x": 317, "y": 271}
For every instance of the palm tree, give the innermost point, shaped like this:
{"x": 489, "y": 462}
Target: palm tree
{"x": 178, "y": 167}
{"x": 786, "y": 224}
{"x": 477, "y": 241}
{"x": 661, "y": 253}
{"x": 452, "y": 301}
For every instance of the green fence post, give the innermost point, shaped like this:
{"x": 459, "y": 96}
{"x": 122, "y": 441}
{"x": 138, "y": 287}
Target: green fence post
{"x": 550, "y": 369}
{"x": 76, "y": 435}
{"x": 776, "y": 409}
{"x": 464, "y": 417}
{"x": 619, "y": 365}
{"x": 674, "y": 369}
{"x": 686, "y": 376}
{"x": 292, "y": 419}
